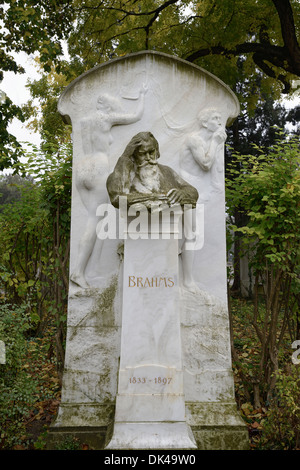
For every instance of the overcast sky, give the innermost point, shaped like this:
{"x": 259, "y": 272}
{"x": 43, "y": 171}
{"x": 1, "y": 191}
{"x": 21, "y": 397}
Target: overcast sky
{"x": 14, "y": 85}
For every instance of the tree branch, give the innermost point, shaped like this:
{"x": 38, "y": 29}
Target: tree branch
{"x": 262, "y": 53}
{"x": 269, "y": 51}
{"x": 286, "y": 17}
{"x": 154, "y": 12}
{"x": 265, "y": 54}
{"x": 259, "y": 60}
{"x": 288, "y": 32}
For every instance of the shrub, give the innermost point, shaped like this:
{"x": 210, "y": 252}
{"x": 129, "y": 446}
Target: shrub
{"x": 266, "y": 189}
{"x": 17, "y": 387}
{"x": 282, "y": 425}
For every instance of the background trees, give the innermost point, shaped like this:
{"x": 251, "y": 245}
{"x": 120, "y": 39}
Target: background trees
{"x": 234, "y": 39}
{"x": 29, "y": 26}
{"x": 267, "y": 187}
{"x": 254, "y": 48}
{"x": 213, "y": 34}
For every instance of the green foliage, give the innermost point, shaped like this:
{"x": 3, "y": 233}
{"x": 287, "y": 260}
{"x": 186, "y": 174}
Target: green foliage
{"x": 68, "y": 443}
{"x": 23, "y": 223}
{"x": 17, "y": 388}
{"x": 274, "y": 423}
{"x": 282, "y": 424}
{"x": 259, "y": 127}
{"x": 28, "y": 380}
{"x": 10, "y": 150}
{"x": 28, "y": 26}
{"x": 34, "y": 238}
{"x": 51, "y": 166}
{"x": 267, "y": 187}
{"x": 9, "y": 189}
{"x": 51, "y": 126}
{"x": 31, "y": 25}
{"x": 14, "y": 323}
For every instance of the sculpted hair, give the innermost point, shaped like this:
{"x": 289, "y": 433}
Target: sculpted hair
{"x": 137, "y": 141}
{"x": 205, "y": 115}
{"x": 110, "y": 101}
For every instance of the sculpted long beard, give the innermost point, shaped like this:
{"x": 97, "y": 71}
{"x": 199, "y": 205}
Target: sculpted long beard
{"x": 149, "y": 177}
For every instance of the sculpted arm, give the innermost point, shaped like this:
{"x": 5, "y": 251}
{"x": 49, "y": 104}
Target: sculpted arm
{"x": 182, "y": 193}
{"x": 205, "y": 153}
{"x": 196, "y": 146}
{"x": 118, "y": 119}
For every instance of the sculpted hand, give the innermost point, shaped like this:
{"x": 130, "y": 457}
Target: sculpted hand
{"x": 144, "y": 89}
{"x": 220, "y": 136}
{"x": 175, "y": 196}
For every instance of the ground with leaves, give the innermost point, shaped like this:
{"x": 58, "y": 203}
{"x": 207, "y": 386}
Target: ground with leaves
{"x": 32, "y": 413}
{"x": 28, "y": 431}
{"x": 274, "y": 422}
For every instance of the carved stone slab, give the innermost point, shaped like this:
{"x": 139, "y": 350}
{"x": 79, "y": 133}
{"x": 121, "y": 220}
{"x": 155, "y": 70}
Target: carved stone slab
{"x": 187, "y": 110}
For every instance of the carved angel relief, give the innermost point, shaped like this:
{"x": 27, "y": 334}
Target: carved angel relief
{"x": 201, "y": 148}
{"x": 93, "y": 168}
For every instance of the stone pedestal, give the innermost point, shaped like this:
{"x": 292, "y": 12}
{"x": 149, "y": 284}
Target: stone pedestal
{"x": 150, "y": 404}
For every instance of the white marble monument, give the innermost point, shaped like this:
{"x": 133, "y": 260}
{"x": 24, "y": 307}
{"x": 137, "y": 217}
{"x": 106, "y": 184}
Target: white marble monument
{"x": 148, "y": 361}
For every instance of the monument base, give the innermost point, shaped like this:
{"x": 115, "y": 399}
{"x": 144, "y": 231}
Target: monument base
{"x": 84, "y": 415}
{"x": 217, "y": 426}
{"x": 151, "y": 436}
{"x": 68, "y": 438}
{"x": 210, "y": 426}
{"x": 80, "y": 423}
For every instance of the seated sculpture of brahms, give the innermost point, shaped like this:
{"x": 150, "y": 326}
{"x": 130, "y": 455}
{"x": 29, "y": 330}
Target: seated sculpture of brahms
{"x": 138, "y": 176}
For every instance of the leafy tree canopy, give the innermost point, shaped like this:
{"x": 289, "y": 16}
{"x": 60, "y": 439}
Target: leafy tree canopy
{"x": 44, "y": 118}
{"x": 29, "y": 26}
{"x": 213, "y": 34}
{"x": 237, "y": 40}
{"x": 33, "y": 25}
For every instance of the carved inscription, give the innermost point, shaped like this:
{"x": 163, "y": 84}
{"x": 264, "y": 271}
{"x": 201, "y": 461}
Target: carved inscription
{"x": 134, "y": 281}
{"x": 156, "y": 380}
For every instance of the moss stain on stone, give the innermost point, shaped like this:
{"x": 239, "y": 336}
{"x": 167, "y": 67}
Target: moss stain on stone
{"x": 105, "y": 302}
{"x": 102, "y": 312}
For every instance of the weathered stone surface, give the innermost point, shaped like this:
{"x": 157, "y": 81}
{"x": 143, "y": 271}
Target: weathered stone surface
{"x": 217, "y": 425}
{"x": 150, "y": 405}
{"x": 187, "y": 110}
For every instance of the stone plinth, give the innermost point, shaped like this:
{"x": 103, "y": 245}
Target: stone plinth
{"x": 150, "y": 404}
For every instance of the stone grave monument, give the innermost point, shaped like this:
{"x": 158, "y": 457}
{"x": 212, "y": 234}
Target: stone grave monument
{"x": 148, "y": 361}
